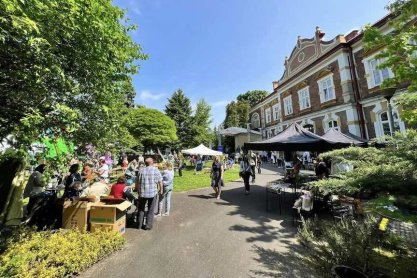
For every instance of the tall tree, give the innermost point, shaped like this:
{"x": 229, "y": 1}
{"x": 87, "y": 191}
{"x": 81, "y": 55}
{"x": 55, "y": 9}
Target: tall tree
{"x": 150, "y": 127}
{"x": 179, "y": 109}
{"x": 237, "y": 114}
{"x": 399, "y": 53}
{"x": 252, "y": 97}
{"x": 201, "y": 124}
{"x": 63, "y": 68}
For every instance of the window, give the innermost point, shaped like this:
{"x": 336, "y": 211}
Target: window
{"x": 386, "y": 127}
{"x": 378, "y": 75}
{"x": 276, "y": 112}
{"x": 304, "y": 98}
{"x": 326, "y": 88}
{"x": 333, "y": 124}
{"x": 268, "y": 115}
{"x": 288, "y": 106}
{"x": 310, "y": 127}
{"x": 255, "y": 120}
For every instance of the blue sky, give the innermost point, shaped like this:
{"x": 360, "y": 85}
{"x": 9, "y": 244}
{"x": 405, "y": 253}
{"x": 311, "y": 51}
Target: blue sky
{"x": 218, "y": 49}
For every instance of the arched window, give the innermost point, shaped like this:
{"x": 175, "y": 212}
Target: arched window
{"x": 309, "y": 127}
{"x": 333, "y": 124}
{"x": 385, "y": 124}
{"x": 256, "y": 123}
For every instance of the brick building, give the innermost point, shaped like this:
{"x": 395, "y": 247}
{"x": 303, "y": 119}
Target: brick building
{"x": 328, "y": 84}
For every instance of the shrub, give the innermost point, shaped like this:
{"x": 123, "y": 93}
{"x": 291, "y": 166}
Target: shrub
{"x": 55, "y": 254}
{"x": 355, "y": 243}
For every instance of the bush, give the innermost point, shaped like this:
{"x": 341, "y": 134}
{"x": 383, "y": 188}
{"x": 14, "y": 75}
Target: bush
{"x": 355, "y": 243}
{"x": 55, "y": 254}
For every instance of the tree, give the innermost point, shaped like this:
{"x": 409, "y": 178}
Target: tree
{"x": 179, "y": 109}
{"x": 65, "y": 68}
{"x": 237, "y": 114}
{"x": 201, "y": 124}
{"x": 399, "y": 53}
{"x": 150, "y": 127}
{"x": 252, "y": 97}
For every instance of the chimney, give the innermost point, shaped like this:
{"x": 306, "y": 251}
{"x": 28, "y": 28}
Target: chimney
{"x": 351, "y": 35}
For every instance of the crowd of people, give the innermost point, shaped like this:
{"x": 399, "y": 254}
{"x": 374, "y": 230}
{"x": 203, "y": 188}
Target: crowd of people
{"x": 148, "y": 185}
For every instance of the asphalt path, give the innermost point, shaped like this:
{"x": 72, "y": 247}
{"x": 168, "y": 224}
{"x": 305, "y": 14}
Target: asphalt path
{"x": 205, "y": 237}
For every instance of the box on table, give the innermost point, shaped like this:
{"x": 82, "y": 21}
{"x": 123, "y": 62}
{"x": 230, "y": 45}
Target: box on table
{"x": 75, "y": 214}
{"x": 118, "y": 226}
{"x": 108, "y": 212}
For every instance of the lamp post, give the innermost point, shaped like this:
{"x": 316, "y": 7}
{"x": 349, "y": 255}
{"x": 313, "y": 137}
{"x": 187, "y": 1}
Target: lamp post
{"x": 388, "y": 93}
{"x": 248, "y": 128}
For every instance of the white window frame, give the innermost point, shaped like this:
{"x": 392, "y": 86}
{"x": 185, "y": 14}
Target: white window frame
{"x": 396, "y": 120}
{"x": 276, "y": 112}
{"x": 288, "y": 106}
{"x": 320, "y": 82}
{"x": 304, "y": 98}
{"x": 370, "y": 71}
{"x": 268, "y": 116}
{"x": 330, "y": 124}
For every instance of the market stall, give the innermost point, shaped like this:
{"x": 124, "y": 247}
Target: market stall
{"x": 201, "y": 150}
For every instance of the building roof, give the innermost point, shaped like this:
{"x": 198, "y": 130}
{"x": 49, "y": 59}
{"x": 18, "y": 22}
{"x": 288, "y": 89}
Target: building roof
{"x": 232, "y": 131}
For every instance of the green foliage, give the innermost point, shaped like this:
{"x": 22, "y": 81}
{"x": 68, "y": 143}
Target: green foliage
{"x": 402, "y": 202}
{"x": 252, "y": 97}
{"x": 64, "y": 62}
{"x": 179, "y": 109}
{"x": 201, "y": 124}
{"x": 150, "y": 127}
{"x": 355, "y": 243}
{"x": 55, "y": 254}
{"x": 392, "y": 169}
{"x": 237, "y": 114}
{"x": 398, "y": 52}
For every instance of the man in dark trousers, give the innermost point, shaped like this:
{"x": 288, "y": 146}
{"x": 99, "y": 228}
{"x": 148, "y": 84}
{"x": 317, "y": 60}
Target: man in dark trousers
{"x": 148, "y": 185}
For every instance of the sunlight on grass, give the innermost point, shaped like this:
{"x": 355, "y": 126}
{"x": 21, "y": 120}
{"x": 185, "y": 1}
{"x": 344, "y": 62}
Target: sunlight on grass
{"x": 190, "y": 180}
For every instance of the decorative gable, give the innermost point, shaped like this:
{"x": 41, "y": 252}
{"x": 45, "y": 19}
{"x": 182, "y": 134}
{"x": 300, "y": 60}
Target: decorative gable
{"x": 308, "y": 50}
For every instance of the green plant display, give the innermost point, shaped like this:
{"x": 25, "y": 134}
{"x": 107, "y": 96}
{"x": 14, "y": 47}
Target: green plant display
{"x": 55, "y": 254}
{"x": 355, "y": 243}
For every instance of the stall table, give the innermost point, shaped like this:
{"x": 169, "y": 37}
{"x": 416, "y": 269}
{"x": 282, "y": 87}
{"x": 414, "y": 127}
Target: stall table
{"x": 276, "y": 188}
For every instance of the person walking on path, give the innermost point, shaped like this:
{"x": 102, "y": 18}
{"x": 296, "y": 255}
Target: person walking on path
{"x": 258, "y": 165}
{"x": 148, "y": 184}
{"x": 247, "y": 173}
{"x": 217, "y": 176}
{"x": 168, "y": 182}
{"x": 252, "y": 162}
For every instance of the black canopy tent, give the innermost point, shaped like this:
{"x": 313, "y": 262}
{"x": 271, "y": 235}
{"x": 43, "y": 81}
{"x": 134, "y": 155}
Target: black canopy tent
{"x": 293, "y": 138}
{"x": 344, "y": 140}
{"x": 297, "y": 138}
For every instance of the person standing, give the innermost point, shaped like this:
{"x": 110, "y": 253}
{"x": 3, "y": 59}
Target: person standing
{"x": 103, "y": 171}
{"x": 74, "y": 176}
{"x": 168, "y": 182}
{"x": 253, "y": 165}
{"x": 148, "y": 184}
{"x": 259, "y": 162}
{"x": 246, "y": 172}
{"x": 34, "y": 187}
{"x": 217, "y": 171}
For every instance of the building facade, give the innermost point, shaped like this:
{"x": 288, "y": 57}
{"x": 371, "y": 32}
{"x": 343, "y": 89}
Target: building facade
{"x": 328, "y": 84}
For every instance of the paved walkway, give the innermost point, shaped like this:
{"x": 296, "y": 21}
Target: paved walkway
{"x": 205, "y": 237}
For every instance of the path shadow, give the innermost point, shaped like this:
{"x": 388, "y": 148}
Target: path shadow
{"x": 273, "y": 263}
{"x": 202, "y": 196}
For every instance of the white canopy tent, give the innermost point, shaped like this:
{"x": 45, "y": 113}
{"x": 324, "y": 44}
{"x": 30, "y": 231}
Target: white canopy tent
{"x": 201, "y": 150}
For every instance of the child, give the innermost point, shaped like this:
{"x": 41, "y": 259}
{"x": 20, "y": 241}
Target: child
{"x": 168, "y": 183}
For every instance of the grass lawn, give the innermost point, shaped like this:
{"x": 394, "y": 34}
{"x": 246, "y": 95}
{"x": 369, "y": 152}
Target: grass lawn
{"x": 378, "y": 203}
{"x": 190, "y": 180}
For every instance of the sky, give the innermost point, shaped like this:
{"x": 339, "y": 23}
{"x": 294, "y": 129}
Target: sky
{"x": 218, "y": 49}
